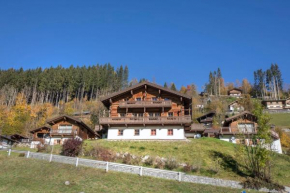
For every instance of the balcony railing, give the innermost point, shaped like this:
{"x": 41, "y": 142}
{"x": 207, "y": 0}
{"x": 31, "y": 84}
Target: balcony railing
{"x": 148, "y": 104}
{"x": 63, "y": 132}
{"x": 145, "y": 120}
{"x": 229, "y": 130}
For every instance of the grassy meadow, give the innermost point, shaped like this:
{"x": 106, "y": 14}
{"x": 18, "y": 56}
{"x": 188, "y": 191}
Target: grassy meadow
{"x": 19, "y": 174}
{"x": 207, "y": 153}
{"x": 281, "y": 119}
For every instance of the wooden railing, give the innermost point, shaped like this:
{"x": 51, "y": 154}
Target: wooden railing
{"x": 141, "y": 104}
{"x": 145, "y": 120}
{"x": 63, "y": 132}
{"x": 229, "y": 130}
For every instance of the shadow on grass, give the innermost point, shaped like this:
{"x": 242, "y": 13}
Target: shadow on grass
{"x": 228, "y": 162}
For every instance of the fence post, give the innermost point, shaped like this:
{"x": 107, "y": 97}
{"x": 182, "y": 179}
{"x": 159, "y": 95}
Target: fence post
{"x": 107, "y": 167}
{"x": 50, "y": 159}
{"x": 179, "y": 176}
{"x": 9, "y": 152}
{"x": 141, "y": 171}
{"x": 28, "y": 154}
{"x": 77, "y": 162}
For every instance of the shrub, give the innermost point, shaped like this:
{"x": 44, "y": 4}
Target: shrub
{"x": 100, "y": 153}
{"x": 127, "y": 159}
{"x": 256, "y": 183}
{"x": 149, "y": 161}
{"x": 171, "y": 163}
{"x": 187, "y": 167}
{"x": 43, "y": 148}
{"x": 72, "y": 147}
{"x": 159, "y": 164}
{"x": 22, "y": 155}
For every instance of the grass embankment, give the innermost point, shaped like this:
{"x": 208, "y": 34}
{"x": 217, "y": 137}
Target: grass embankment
{"x": 208, "y": 153}
{"x": 19, "y": 174}
{"x": 281, "y": 119}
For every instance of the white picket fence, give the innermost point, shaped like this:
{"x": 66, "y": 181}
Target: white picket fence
{"x": 139, "y": 170}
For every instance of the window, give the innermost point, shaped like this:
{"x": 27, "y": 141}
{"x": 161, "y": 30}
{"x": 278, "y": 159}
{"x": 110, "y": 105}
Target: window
{"x": 166, "y": 99}
{"x": 151, "y": 114}
{"x": 170, "y": 114}
{"x": 138, "y": 99}
{"x": 137, "y": 132}
{"x": 246, "y": 127}
{"x": 65, "y": 128}
{"x": 170, "y": 132}
{"x": 122, "y": 114}
{"x": 137, "y": 114}
{"x": 154, "y": 98}
{"x": 153, "y": 132}
{"x": 120, "y": 132}
{"x": 157, "y": 114}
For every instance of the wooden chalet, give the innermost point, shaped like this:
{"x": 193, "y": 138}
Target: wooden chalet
{"x": 207, "y": 119}
{"x": 273, "y": 104}
{"x": 235, "y": 92}
{"x": 146, "y": 111}
{"x": 62, "y": 128}
{"x": 6, "y": 142}
{"x": 20, "y": 138}
{"x": 235, "y": 106}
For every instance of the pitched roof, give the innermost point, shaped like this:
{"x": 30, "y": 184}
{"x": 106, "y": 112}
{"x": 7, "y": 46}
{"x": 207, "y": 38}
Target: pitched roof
{"x": 242, "y": 114}
{"x": 197, "y": 127}
{"x": 40, "y": 128}
{"x": 7, "y": 138}
{"x": 234, "y": 102}
{"x": 59, "y": 118}
{"x": 206, "y": 115}
{"x": 235, "y": 89}
{"x": 21, "y": 136}
{"x": 140, "y": 85}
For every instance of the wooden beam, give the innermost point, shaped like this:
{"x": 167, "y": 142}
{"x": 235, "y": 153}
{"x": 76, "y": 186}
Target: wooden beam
{"x": 131, "y": 92}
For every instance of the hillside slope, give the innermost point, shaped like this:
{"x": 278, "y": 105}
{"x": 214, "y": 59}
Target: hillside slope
{"x": 207, "y": 153}
{"x": 19, "y": 174}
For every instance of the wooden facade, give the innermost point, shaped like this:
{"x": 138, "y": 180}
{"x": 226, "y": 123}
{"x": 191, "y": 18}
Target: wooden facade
{"x": 143, "y": 107}
{"x": 147, "y": 103}
{"x": 63, "y": 127}
{"x": 277, "y": 104}
{"x": 235, "y": 92}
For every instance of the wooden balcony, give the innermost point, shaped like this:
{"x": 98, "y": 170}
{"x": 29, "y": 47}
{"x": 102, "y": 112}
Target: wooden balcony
{"x": 229, "y": 130}
{"x": 63, "y": 132}
{"x": 147, "y": 104}
{"x": 145, "y": 120}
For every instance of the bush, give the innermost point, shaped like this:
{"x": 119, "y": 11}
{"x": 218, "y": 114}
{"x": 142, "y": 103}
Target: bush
{"x": 171, "y": 163}
{"x": 132, "y": 160}
{"x": 100, "y": 153}
{"x": 256, "y": 183}
{"x": 187, "y": 167}
{"x": 149, "y": 161}
{"x": 43, "y": 148}
{"x": 127, "y": 159}
{"x": 21, "y": 155}
{"x": 159, "y": 164}
{"x": 72, "y": 147}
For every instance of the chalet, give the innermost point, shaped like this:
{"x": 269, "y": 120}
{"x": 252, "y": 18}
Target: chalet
{"x": 62, "y": 128}
{"x": 20, "y": 138}
{"x": 235, "y": 92}
{"x": 235, "y": 106}
{"x": 146, "y": 111}
{"x": 245, "y": 124}
{"x": 207, "y": 119}
{"x": 272, "y": 104}
{"x": 6, "y": 142}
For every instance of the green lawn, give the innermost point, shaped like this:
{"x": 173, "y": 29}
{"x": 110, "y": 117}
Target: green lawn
{"x": 209, "y": 153}
{"x": 281, "y": 119}
{"x": 23, "y": 175}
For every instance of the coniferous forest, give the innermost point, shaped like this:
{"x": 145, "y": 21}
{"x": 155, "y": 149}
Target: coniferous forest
{"x": 52, "y": 85}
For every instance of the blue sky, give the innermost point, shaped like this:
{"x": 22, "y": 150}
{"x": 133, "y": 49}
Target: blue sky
{"x": 169, "y": 41}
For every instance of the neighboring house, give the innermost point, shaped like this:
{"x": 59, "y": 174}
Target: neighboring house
{"x": 245, "y": 124}
{"x": 146, "y": 111}
{"x": 6, "y": 142}
{"x": 235, "y": 107}
{"x": 272, "y": 104}
{"x": 207, "y": 119}
{"x": 235, "y": 92}
{"x": 62, "y": 128}
{"x": 20, "y": 138}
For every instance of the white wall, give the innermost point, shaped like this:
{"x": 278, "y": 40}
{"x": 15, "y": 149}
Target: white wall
{"x": 145, "y": 133}
{"x": 276, "y": 146}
